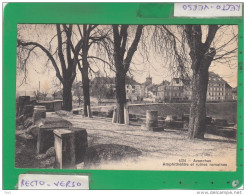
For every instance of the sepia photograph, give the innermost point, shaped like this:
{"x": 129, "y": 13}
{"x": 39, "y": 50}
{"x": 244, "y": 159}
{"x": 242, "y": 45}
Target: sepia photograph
{"x": 126, "y": 97}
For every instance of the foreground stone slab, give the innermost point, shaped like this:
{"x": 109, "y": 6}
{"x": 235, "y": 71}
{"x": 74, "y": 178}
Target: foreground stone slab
{"x": 152, "y": 122}
{"x": 65, "y": 148}
{"x": 51, "y": 106}
{"x": 38, "y": 113}
{"x": 23, "y": 100}
{"x": 28, "y": 110}
{"x": 81, "y": 143}
{"x": 46, "y": 126}
{"x": 151, "y": 118}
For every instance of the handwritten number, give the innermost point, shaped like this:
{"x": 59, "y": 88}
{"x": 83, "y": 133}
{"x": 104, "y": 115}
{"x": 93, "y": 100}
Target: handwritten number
{"x": 184, "y": 7}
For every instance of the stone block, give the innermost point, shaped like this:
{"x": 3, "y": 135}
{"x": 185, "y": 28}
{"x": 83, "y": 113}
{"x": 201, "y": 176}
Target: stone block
{"x": 23, "y": 100}
{"x": 64, "y": 148}
{"x": 151, "y": 118}
{"x": 81, "y": 143}
{"x": 45, "y": 133}
{"x": 28, "y": 110}
{"x": 38, "y": 113}
{"x": 51, "y": 106}
{"x": 45, "y": 139}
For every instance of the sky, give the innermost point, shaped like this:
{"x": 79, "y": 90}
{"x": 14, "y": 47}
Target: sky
{"x": 155, "y": 67}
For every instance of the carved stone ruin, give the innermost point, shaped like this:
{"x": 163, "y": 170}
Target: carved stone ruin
{"x": 38, "y": 113}
{"x": 152, "y": 121}
{"x": 46, "y": 126}
{"x": 81, "y": 143}
{"x": 71, "y": 146}
{"x": 65, "y": 148}
{"x": 23, "y": 100}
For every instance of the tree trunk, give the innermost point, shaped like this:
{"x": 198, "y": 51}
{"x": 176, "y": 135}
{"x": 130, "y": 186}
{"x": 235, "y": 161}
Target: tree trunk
{"x": 86, "y": 90}
{"x": 67, "y": 96}
{"x": 201, "y": 54}
{"x": 120, "y": 96}
{"x": 197, "y": 123}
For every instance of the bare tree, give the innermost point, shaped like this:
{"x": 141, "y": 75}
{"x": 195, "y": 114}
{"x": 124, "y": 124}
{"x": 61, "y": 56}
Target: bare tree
{"x": 113, "y": 44}
{"x": 65, "y": 65}
{"x": 204, "y": 44}
{"x": 122, "y": 59}
{"x": 90, "y": 34}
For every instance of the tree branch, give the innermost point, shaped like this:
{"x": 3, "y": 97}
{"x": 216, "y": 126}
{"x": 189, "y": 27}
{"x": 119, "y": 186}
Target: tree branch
{"x": 212, "y": 29}
{"x": 133, "y": 48}
{"x": 20, "y": 43}
{"x": 60, "y": 52}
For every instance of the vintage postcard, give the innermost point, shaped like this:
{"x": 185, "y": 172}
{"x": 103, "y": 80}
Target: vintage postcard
{"x": 126, "y": 97}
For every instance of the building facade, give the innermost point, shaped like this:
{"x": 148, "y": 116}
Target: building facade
{"x": 134, "y": 92}
{"x": 176, "y": 90}
{"x": 180, "y": 90}
{"x": 218, "y": 89}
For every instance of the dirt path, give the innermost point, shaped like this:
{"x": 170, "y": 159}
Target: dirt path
{"x": 159, "y": 147}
